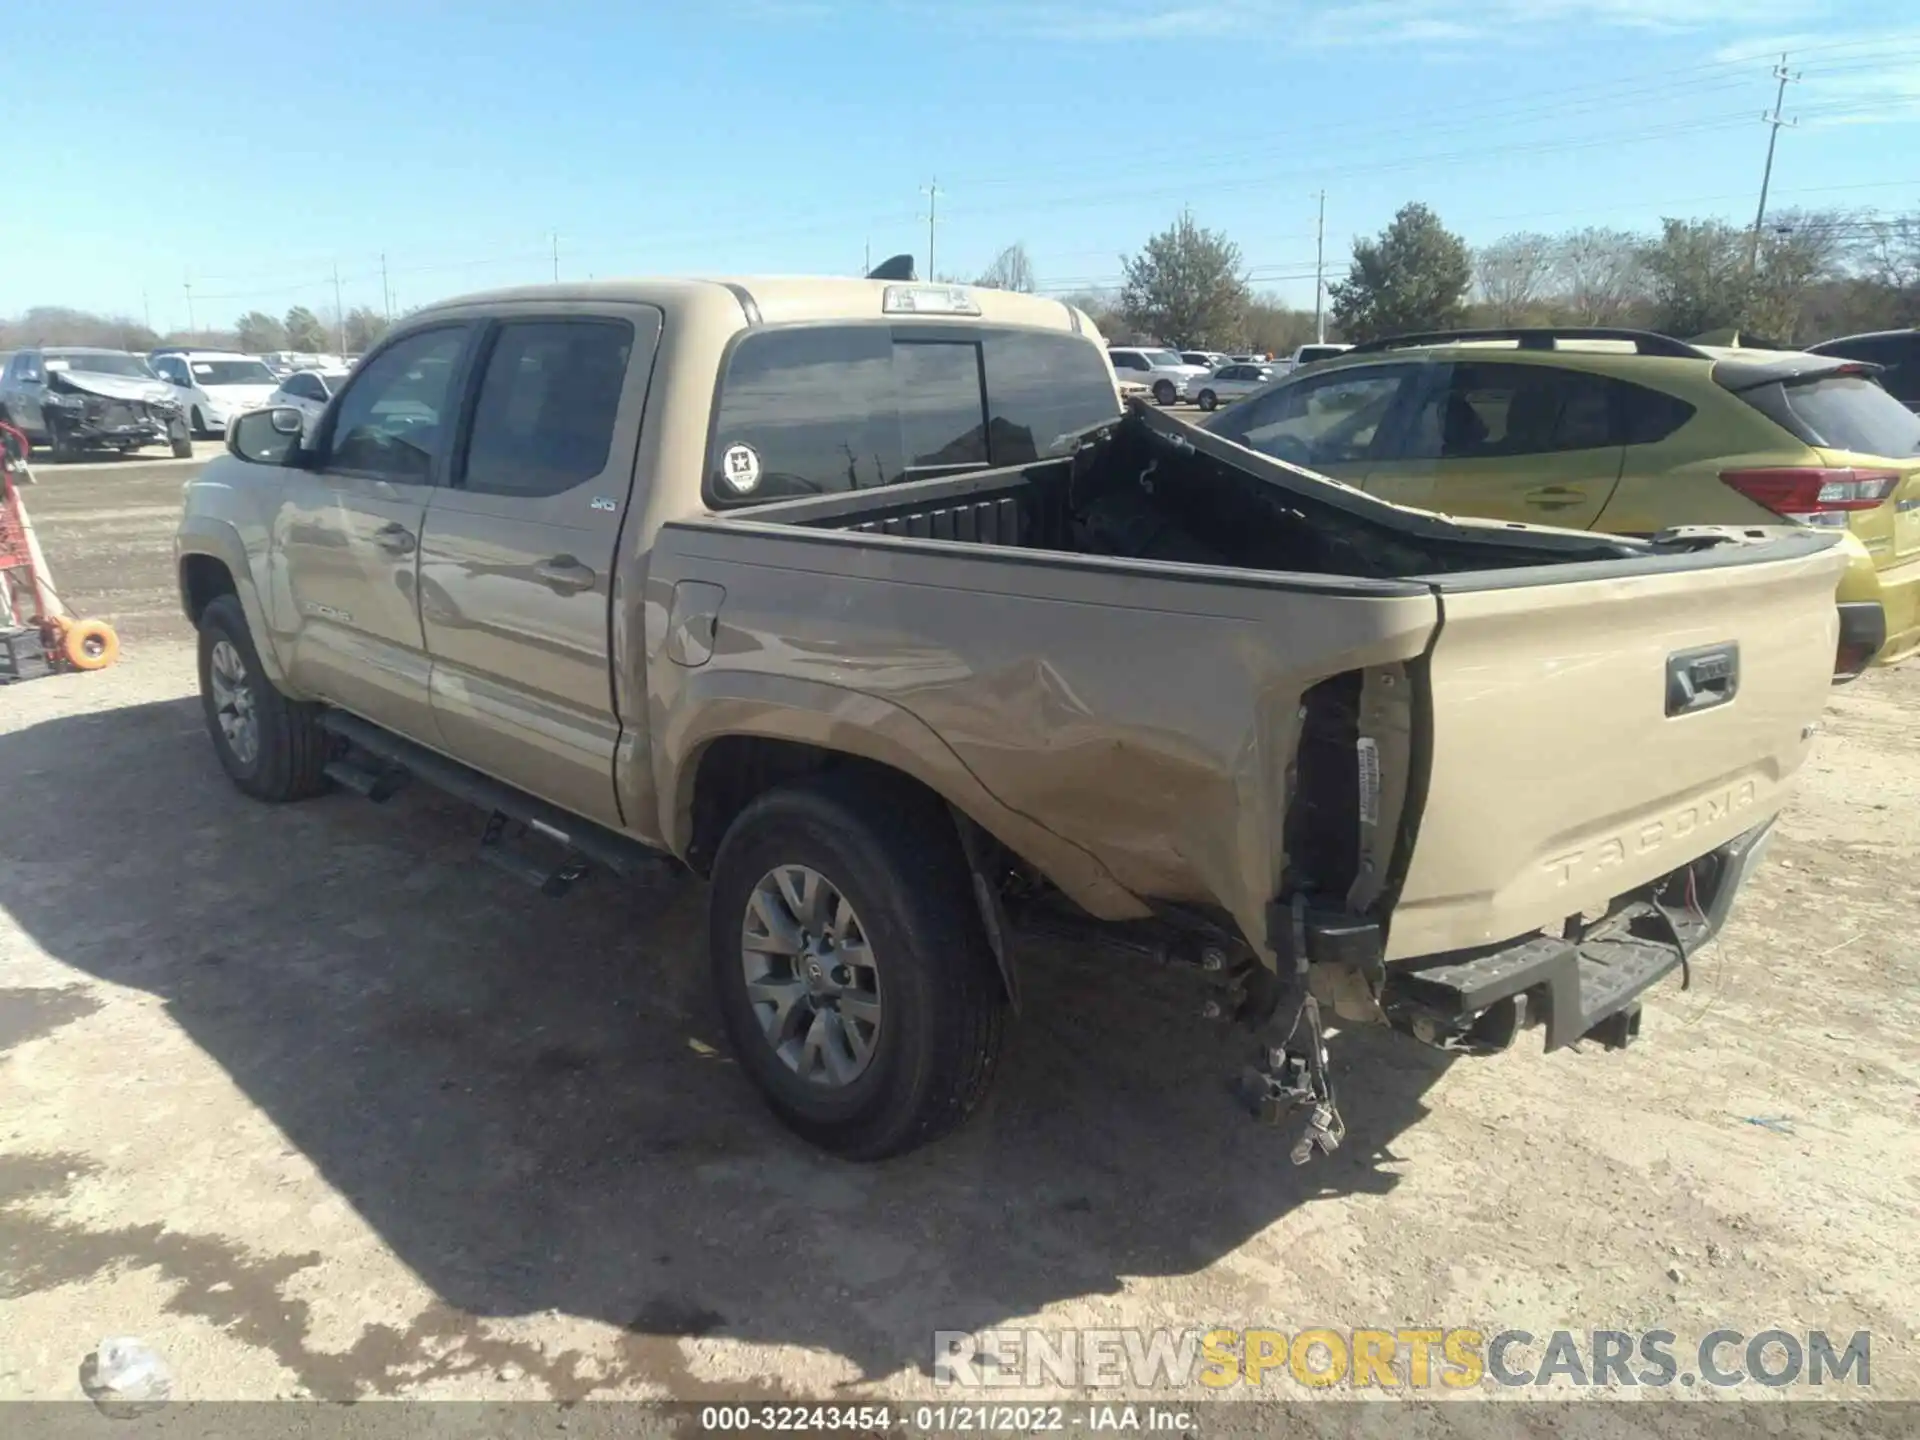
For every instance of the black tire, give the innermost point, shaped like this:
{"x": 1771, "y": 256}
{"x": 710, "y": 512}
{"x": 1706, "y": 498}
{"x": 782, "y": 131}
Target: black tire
{"x": 1163, "y": 392}
{"x": 197, "y": 424}
{"x": 65, "y": 452}
{"x": 181, "y": 443}
{"x": 292, "y": 750}
{"x": 1208, "y": 400}
{"x": 893, "y": 853}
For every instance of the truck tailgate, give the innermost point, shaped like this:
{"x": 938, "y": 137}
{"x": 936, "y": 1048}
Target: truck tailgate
{"x": 1589, "y": 735}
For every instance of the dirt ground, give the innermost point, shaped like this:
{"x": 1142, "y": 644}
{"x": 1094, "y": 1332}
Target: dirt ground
{"x": 310, "y": 1101}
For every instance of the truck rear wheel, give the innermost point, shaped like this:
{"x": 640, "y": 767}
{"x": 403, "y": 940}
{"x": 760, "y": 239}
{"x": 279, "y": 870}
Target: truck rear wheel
{"x": 851, "y": 966}
{"x": 271, "y": 747}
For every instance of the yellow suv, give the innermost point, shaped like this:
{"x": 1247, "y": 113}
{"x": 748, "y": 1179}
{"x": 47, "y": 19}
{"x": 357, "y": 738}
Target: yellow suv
{"x": 1622, "y": 431}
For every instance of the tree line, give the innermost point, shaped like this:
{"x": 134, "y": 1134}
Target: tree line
{"x": 1807, "y": 276}
{"x": 254, "y": 332}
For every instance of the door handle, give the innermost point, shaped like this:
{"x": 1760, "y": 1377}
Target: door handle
{"x": 395, "y": 538}
{"x": 1554, "y": 497}
{"x": 566, "y": 575}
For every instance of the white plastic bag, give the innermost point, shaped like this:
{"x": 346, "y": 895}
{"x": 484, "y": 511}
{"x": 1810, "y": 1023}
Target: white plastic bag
{"x": 126, "y": 1377}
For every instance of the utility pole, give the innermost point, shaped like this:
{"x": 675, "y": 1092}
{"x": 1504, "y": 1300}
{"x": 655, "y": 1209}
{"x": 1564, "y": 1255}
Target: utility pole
{"x": 339, "y": 310}
{"x": 866, "y": 263}
{"x": 1320, "y": 274}
{"x": 146, "y": 309}
{"x": 386, "y": 295}
{"x": 1773, "y": 123}
{"x": 556, "y": 257}
{"x": 187, "y": 285}
{"x": 933, "y": 213}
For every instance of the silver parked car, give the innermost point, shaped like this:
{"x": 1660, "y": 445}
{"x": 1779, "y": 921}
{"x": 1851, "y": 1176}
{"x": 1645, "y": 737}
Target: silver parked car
{"x": 1230, "y": 382}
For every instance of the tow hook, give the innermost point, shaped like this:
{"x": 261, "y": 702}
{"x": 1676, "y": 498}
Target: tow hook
{"x": 1292, "y": 1075}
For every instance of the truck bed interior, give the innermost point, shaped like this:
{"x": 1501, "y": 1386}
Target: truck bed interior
{"x": 1146, "y": 489}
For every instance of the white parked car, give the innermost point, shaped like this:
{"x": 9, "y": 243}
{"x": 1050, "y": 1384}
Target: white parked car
{"x": 1230, "y": 382}
{"x": 1163, "y": 372}
{"x": 309, "y": 390}
{"x": 213, "y": 386}
{"x": 1208, "y": 360}
{"x": 1307, "y": 354}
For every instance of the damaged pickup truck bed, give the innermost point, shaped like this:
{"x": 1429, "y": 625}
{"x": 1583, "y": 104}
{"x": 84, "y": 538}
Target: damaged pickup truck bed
{"x": 1455, "y": 777}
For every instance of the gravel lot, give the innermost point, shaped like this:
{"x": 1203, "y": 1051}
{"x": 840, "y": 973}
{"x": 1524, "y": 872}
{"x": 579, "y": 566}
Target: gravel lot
{"x": 309, "y": 1101}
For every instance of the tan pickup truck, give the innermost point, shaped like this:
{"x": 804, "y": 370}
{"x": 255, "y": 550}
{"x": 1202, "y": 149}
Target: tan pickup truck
{"x": 868, "y": 603}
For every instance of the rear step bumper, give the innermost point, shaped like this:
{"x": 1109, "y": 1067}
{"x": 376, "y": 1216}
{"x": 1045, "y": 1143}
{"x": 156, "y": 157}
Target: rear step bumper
{"x": 1585, "y": 986}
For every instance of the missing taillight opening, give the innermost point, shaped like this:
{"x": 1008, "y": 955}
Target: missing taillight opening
{"x": 1810, "y": 493}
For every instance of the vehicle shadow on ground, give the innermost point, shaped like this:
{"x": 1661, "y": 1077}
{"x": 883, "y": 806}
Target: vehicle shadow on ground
{"x": 529, "y": 1100}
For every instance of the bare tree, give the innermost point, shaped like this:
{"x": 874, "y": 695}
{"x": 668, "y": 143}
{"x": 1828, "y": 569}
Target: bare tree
{"x": 1798, "y": 250}
{"x": 1598, "y": 274}
{"x": 1512, "y": 275}
{"x": 1012, "y": 269}
{"x": 1887, "y": 251}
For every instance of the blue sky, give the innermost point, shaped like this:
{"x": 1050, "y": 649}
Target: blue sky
{"x": 249, "y": 150}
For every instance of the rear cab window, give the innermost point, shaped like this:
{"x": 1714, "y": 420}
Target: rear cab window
{"x": 818, "y": 409}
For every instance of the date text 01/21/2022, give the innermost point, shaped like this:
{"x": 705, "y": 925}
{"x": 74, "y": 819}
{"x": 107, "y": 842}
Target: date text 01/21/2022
{"x": 946, "y": 1419}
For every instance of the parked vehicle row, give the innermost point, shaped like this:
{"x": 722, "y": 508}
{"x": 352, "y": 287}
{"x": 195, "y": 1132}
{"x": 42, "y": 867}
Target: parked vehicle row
{"x": 77, "y": 398}
{"x": 867, "y": 602}
{"x": 1208, "y": 378}
{"x": 1165, "y": 373}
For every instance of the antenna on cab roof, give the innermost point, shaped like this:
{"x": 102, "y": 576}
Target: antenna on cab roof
{"x": 900, "y": 267}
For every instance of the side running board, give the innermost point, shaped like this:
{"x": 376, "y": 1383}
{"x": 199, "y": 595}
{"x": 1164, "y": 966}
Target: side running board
{"x": 386, "y": 762}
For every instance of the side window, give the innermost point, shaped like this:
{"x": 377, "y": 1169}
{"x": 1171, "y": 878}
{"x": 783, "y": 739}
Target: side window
{"x": 943, "y": 413}
{"x": 30, "y": 371}
{"x": 544, "y": 421}
{"x": 393, "y": 421}
{"x": 302, "y": 386}
{"x": 806, "y": 411}
{"x": 1043, "y": 389}
{"x": 1332, "y": 418}
{"x": 172, "y": 367}
{"x": 1495, "y": 411}
{"x": 1645, "y": 416}
{"x": 1125, "y": 361}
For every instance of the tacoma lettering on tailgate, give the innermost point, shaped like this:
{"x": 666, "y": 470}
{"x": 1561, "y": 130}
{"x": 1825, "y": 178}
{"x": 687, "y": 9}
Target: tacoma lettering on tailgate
{"x": 1597, "y": 858}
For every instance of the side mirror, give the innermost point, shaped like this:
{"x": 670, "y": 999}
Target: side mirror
{"x": 266, "y": 437}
